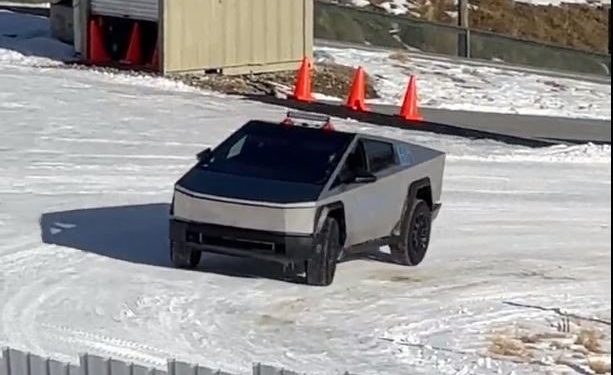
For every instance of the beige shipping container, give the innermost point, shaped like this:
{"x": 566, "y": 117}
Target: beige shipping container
{"x": 235, "y": 36}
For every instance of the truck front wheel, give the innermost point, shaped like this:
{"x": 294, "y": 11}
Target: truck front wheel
{"x": 184, "y": 257}
{"x": 321, "y": 268}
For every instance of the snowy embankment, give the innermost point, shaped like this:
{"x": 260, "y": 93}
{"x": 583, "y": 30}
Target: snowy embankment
{"x": 517, "y": 279}
{"x": 478, "y": 88}
{"x": 399, "y": 7}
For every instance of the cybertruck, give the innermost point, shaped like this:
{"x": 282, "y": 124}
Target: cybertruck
{"x": 303, "y": 194}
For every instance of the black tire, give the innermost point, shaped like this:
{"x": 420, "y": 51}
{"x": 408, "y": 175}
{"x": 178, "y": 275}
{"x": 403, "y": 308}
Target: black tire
{"x": 321, "y": 268}
{"x": 411, "y": 246}
{"x": 184, "y": 257}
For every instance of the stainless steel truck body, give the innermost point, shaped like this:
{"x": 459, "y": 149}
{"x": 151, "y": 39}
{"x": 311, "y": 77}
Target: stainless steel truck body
{"x": 306, "y": 195}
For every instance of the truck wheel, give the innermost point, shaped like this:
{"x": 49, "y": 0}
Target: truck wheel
{"x": 412, "y": 244}
{"x": 184, "y": 257}
{"x": 320, "y": 269}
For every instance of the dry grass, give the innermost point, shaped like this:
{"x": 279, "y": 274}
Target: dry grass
{"x": 435, "y": 10}
{"x": 560, "y": 345}
{"x": 539, "y": 337}
{"x": 599, "y": 366}
{"x": 509, "y": 347}
{"x": 573, "y": 344}
{"x": 590, "y": 339}
{"x": 572, "y": 25}
{"x": 401, "y": 57}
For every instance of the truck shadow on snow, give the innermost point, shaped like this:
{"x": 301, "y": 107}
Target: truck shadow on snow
{"x": 139, "y": 234}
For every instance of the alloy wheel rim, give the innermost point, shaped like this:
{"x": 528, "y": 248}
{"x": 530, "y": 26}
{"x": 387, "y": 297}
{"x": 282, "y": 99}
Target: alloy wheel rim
{"x": 419, "y": 232}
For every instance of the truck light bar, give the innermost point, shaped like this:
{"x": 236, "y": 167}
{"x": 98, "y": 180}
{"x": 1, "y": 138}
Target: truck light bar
{"x": 291, "y": 115}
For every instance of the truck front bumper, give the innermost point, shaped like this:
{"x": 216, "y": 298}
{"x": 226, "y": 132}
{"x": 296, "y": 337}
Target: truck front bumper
{"x": 278, "y": 247}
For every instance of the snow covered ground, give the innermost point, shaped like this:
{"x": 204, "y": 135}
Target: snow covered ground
{"x": 519, "y": 263}
{"x": 480, "y": 88}
{"x": 87, "y": 163}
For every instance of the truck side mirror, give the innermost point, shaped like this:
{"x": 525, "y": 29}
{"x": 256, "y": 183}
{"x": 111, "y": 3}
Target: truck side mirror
{"x": 364, "y": 177}
{"x": 359, "y": 176}
{"x": 204, "y": 155}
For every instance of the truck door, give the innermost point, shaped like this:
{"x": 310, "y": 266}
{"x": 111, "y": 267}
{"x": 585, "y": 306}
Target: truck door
{"x": 364, "y": 201}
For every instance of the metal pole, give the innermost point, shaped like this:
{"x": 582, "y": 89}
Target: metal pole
{"x": 83, "y": 27}
{"x": 463, "y": 22}
{"x": 609, "y": 19}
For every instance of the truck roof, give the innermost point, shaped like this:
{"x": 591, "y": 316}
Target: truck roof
{"x": 267, "y": 150}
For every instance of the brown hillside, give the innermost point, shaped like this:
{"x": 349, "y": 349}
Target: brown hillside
{"x": 578, "y": 26}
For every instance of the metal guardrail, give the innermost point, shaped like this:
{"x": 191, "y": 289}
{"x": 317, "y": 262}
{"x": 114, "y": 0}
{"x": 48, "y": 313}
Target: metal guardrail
{"x": 594, "y": 78}
{"x": 344, "y": 23}
{"x": 16, "y": 362}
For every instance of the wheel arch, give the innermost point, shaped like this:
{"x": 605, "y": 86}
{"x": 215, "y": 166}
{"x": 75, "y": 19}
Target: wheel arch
{"x": 419, "y": 189}
{"x": 335, "y": 210}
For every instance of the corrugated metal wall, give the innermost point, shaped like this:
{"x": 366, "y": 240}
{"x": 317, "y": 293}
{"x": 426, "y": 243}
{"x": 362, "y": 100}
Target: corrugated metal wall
{"x": 236, "y": 35}
{"x": 135, "y": 9}
{"x": 16, "y": 362}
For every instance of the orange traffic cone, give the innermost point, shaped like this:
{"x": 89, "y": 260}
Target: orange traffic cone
{"x": 409, "y": 109}
{"x": 96, "y": 53}
{"x": 302, "y": 88}
{"x": 134, "y": 55}
{"x": 357, "y": 94}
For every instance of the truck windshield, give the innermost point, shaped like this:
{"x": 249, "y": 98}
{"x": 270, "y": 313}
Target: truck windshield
{"x": 286, "y": 153}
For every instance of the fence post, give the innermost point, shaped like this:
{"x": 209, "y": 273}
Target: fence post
{"x": 609, "y": 22}
{"x": 83, "y": 363}
{"x": 170, "y": 364}
{"x": 463, "y": 22}
{"x": 6, "y": 362}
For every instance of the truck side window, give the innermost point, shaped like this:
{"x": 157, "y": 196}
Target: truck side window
{"x": 380, "y": 155}
{"x": 356, "y": 160}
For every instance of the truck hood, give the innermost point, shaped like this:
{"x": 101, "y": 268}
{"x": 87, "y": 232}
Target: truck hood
{"x": 224, "y": 185}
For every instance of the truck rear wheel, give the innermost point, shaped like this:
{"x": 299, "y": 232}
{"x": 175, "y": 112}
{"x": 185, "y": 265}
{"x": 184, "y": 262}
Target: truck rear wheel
{"x": 412, "y": 244}
{"x": 184, "y": 257}
{"x": 321, "y": 268}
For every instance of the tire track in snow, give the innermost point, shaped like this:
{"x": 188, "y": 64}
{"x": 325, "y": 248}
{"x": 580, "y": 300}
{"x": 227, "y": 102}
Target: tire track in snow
{"x": 105, "y": 345}
{"x": 21, "y": 326}
{"x": 476, "y": 328}
{"x": 19, "y": 310}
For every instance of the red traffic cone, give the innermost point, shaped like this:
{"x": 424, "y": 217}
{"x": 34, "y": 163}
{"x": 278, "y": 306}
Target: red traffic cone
{"x": 96, "y": 53}
{"x": 134, "y": 55}
{"x": 302, "y": 88}
{"x": 410, "y": 110}
{"x": 357, "y": 93}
